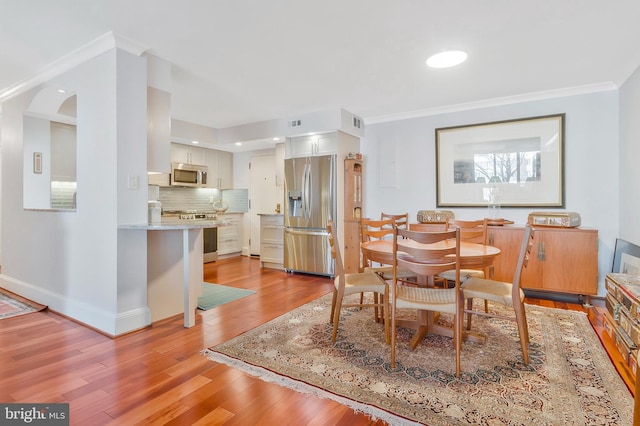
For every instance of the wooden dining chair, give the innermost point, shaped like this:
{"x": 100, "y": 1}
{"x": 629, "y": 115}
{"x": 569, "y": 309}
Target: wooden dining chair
{"x": 373, "y": 229}
{"x": 427, "y": 262}
{"x": 473, "y": 231}
{"x": 508, "y": 294}
{"x": 354, "y": 283}
{"x": 401, "y": 220}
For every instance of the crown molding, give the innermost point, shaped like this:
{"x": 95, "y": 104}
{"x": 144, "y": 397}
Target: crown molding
{"x": 94, "y": 48}
{"x": 507, "y": 100}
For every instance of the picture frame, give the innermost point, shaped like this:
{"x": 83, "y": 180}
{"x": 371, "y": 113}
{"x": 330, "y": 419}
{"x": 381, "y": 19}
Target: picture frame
{"x": 512, "y": 163}
{"x": 626, "y": 258}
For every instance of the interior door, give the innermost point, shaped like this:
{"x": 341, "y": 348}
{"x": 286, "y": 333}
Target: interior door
{"x": 263, "y": 196}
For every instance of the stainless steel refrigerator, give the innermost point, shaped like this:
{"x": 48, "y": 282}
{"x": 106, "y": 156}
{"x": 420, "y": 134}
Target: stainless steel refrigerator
{"x": 310, "y": 203}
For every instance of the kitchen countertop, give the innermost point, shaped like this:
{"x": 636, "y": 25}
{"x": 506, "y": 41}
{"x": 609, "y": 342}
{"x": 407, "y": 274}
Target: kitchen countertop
{"x": 175, "y": 223}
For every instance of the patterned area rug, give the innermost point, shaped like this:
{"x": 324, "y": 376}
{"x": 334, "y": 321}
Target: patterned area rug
{"x": 569, "y": 381}
{"x": 12, "y": 305}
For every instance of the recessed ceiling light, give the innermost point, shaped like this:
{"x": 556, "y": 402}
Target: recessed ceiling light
{"x": 195, "y": 142}
{"x": 62, "y": 91}
{"x": 449, "y": 58}
{"x": 276, "y": 139}
{"x": 238, "y": 143}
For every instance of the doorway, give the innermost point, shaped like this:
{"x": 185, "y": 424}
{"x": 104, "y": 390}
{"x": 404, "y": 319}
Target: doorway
{"x": 262, "y": 195}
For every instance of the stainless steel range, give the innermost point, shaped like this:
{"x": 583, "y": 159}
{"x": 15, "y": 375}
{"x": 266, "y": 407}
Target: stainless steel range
{"x": 210, "y": 235}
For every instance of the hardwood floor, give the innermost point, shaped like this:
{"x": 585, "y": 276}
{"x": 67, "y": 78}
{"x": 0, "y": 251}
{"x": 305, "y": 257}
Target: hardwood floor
{"x": 158, "y": 376}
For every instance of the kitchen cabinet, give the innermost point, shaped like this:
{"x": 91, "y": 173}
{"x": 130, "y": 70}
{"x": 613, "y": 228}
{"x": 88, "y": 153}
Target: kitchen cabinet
{"x": 220, "y": 169}
{"x": 339, "y": 143}
{"x": 188, "y": 154}
{"x": 563, "y": 260}
{"x": 306, "y": 146}
{"x": 272, "y": 241}
{"x": 230, "y": 236}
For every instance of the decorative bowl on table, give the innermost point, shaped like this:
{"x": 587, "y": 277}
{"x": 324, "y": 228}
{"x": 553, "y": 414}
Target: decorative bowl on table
{"x": 220, "y": 207}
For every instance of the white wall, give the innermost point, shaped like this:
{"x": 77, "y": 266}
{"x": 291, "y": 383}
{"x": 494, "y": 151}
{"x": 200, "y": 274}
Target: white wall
{"x": 401, "y": 155}
{"x": 76, "y": 262}
{"x": 38, "y": 132}
{"x": 629, "y": 173}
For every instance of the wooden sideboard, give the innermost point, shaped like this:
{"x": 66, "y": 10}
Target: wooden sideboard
{"x": 563, "y": 260}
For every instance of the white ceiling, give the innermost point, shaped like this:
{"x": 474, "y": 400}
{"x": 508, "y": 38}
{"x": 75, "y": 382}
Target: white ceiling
{"x": 242, "y": 61}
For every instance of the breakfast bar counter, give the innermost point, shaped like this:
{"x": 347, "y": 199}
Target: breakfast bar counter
{"x": 174, "y": 255}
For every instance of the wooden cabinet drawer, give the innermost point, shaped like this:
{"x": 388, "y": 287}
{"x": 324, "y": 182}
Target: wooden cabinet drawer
{"x": 271, "y": 241}
{"x": 273, "y": 253}
{"x": 228, "y": 230}
{"x": 272, "y": 234}
{"x": 272, "y": 220}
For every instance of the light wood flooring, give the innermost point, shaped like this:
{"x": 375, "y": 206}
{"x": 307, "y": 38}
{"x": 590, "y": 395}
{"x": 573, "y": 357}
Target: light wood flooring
{"x": 158, "y": 375}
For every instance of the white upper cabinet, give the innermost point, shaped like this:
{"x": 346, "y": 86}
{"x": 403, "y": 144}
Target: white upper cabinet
{"x": 323, "y": 144}
{"x": 305, "y": 146}
{"x": 188, "y": 154}
{"x": 220, "y": 169}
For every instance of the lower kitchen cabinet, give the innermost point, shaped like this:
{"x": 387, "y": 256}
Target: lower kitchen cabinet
{"x": 271, "y": 241}
{"x": 563, "y": 260}
{"x": 230, "y": 236}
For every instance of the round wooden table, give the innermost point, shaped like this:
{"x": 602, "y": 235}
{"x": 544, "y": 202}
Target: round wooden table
{"x": 472, "y": 256}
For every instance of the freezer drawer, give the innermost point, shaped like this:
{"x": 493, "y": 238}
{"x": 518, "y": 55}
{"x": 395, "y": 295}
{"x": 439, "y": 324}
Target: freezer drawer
{"x": 308, "y": 251}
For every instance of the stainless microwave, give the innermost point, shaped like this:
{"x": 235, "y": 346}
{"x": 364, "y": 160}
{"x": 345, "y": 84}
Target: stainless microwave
{"x": 188, "y": 175}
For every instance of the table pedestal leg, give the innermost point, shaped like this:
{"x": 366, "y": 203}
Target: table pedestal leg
{"x": 427, "y": 325}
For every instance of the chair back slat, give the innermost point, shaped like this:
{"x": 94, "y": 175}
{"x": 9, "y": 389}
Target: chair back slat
{"x": 401, "y": 220}
{"x": 374, "y": 229}
{"x": 473, "y": 231}
{"x": 435, "y": 252}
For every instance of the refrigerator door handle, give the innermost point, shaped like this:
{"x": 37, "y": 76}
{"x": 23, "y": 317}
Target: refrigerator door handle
{"x": 306, "y": 212}
{"x": 307, "y": 196}
{"x": 303, "y": 195}
{"x": 305, "y": 232}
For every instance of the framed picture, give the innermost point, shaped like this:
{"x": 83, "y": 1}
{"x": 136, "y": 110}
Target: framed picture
{"x": 515, "y": 163}
{"x": 626, "y": 258}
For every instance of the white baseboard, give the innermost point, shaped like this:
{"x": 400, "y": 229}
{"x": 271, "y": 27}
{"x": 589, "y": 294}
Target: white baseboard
{"x": 110, "y": 323}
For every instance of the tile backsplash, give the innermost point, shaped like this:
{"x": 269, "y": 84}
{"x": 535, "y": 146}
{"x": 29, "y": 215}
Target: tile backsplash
{"x": 63, "y": 195}
{"x": 200, "y": 198}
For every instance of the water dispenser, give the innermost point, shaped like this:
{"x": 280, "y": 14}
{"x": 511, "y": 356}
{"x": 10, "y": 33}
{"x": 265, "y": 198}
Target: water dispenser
{"x": 294, "y": 200}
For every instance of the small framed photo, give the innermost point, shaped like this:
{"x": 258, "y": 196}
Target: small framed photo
{"x": 37, "y": 162}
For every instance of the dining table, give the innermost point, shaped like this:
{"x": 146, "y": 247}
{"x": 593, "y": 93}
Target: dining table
{"x": 472, "y": 256}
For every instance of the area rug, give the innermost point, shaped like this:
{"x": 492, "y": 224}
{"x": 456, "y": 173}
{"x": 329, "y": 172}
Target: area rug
{"x": 215, "y": 295}
{"x": 569, "y": 380}
{"x": 12, "y": 305}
